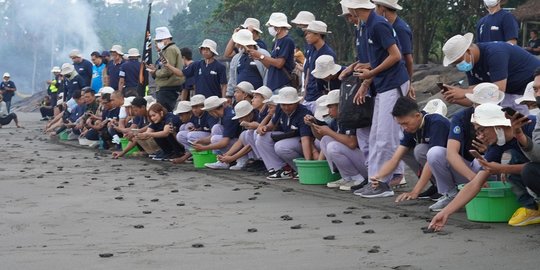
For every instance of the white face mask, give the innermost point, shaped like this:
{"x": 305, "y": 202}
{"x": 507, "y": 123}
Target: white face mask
{"x": 272, "y": 31}
{"x": 491, "y": 3}
{"x": 501, "y": 140}
{"x": 161, "y": 45}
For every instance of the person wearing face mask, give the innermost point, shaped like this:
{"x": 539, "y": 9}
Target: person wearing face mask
{"x": 498, "y": 25}
{"x": 302, "y": 20}
{"x": 248, "y": 69}
{"x": 280, "y": 63}
{"x": 508, "y": 66}
{"x": 72, "y": 80}
{"x": 502, "y": 133}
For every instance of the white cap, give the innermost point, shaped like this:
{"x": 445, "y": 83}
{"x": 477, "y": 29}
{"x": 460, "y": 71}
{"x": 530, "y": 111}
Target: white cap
{"x": 271, "y": 100}
{"x": 344, "y": 10}
{"x": 388, "y": 3}
{"x": 254, "y": 23}
{"x": 55, "y": 69}
{"x": 75, "y": 53}
{"x": 117, "y": 49}
{"x": 489, "y": 115}
{"x": 127, "y": 101}
{"x": 213, "y": 102}
{"x": 6, "y": 75}
{"x": 182, "y": 107}
{"x": 354, "y": 4}
{"x": 244, "y": 37}
{"x": 486, "y": 93}
{"x": 61, "y": 95}
{"x": 197, "y": 100}
{"x": 278, "y": 19}
{"x": 245, "y": 87}
{"x": 210, "y": 44}
{"x": 456, "y": 47}
{"x": 332, "y": 98}
{"x": 105, "y": 90}
{"x": 436, "y": 106}
{"x": 320, "y": 109}
{"x": 67, "y": 68}
{"x": 242, "y": 109}
{"x": 162, "y": 33}
{"x": 318, "y": 27}
{"x": 133, "y": 52}
{"x": 149, "y": 99}
{"x": 263, "y": 91}
{"x": 288, "y": 95}
{"x": 528, "y": 95}
{"x": 304, "y": 18}
{"x": 325, "y": 66}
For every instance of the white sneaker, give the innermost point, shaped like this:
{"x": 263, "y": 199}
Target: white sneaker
{"x": 116, "y": 139}
{"x": 240, "y": 164}
{"x": 347, "y": 186}
{"x": 337, "y": 184}
{"x": 441, "y": 203}
{"x": 217, "y": 165}
{"x": 73, "y": 137}
{"x": 83, "y": 141}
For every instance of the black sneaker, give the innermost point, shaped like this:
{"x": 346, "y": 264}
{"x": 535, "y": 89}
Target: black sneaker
{"x": 255, "y": 166}
{"x": 359, "y": 186}
{"x": 431, "y": 191}
{"x": 280, "y": 175}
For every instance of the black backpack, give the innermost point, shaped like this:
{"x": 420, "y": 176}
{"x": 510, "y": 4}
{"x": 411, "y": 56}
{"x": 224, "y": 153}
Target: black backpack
{"x": 351, "y": 115}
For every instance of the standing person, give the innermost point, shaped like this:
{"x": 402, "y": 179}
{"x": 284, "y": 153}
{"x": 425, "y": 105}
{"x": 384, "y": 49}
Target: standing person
{"x": 82, "y": 66}
{"x": 248, "y": 69}
{"x": 388, "y": 76}
{"x": 97, "y": 71}
{"x": 55, "y": 86}
{"x": 388, "y": 9}
{"x": 113, "y": 68}
{"x": 169, "y": 84}
{"x": 7, "y": 90}
{"x": 498, "y": 25}
{"x": 188, "y": 88}
{"x": 129, "y": 75}
{"x": 252, "y": 25}
{"x": 5, "y": 116}
{"x": 280, "y": 64}
{"x": 533, "y": 46}
{"x": 73, "y": 82}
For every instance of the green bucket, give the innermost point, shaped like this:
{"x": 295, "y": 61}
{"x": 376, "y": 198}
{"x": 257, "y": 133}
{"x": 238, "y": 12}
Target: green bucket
{"x": 496, "y": 203}
{"x": 124, "y": 142}
{"x": 315, "y": 172}
{"x": 202, "y": 157}
{"x": 64, "y": 135}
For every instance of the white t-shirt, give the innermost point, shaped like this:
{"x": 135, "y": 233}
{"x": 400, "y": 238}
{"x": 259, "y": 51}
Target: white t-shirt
{"x": 123, "y": 113}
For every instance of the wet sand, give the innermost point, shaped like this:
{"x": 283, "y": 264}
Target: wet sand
{"x": 63, "y": 206}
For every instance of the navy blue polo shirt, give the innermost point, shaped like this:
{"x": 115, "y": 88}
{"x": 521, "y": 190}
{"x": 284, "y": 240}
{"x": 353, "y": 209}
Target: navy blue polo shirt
{"x": 77, "y": 112}
{"x": 501, "y": 60}
{"x": 433, "y": 133}
{"x": 84, "y": 68}
{"x": 500, "y": 26}
{"x": 169, "y": 118}
{"x": 208, "y": 78}
{"x": 295, "y": 121}
{"x": 231, "y": 128}
{"x": 404, "y": 34}
{"x": 113, "y": 71}
{"x": 260, "y": 115}
{"x": 337, "y": 127}
{"x": 74, "y": 84}
{"x": 110, "y": 113}
{"x": 361, "y": 44}
{"x": 189, "y": 83}
{"x": 7, "y": 94}
{"x": 140, "y": 121}
{"x": 261, "y": 44}
{"x": 315, "y": 88}
{"x": 380, "y": 37}
{"x": 495, "y": 152}
{"x": 283, "y": 48}
{"x": 334, "y": 84}
{"x": 247, "y": 71}
{"x": 201, "y": 122}
{"x": 209, "y": 122}
{"x": 462, "y": 130}
{"x": 130, "y": 70}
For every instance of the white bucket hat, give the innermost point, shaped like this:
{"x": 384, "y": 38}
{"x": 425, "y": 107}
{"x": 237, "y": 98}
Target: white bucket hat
{"x": 318, "y": 27}
{"x": 75, "y": 53}
{"x": 489, "y": 115}
{"x": 332, "y": 98}
{"x": 6, "y": 75}
{"x": 162, "y": 33}
{"x": 304, "y": 18}
{"x": 254, "y": 23}
{"x": 456, "y": 47}
{"x": 528, "y": 95}
{"x": 278, "y": 19}
{"x": 67, "y": 68}
{"x": 210, "y": 44}
{"x": 244, "y": 37}
{"x": 320, "y": 109}
{"x": 388, "y": 3}
{"x": 246, "y": 87}
{"x": 133, "y": 52}
{"x": 55, "y": 69}
{"x": 287, "y": 95}
{"x": 197, "y": 100}
{"x": 271, "y": 100}
{"x": 117, "y": 49}
{"x": 213, "y": 102}
{"x": 149, "y": 99}
{"x": 325, "y": 66}
{"x": 182, "y": 107}
{"x": 354, "y": 4}
{"x": 344, "y": 10}
{"x": 127, "y": 101}
{"x": 436, "y": 106}
{"x": 104, "y": 90}
{"x": 263, "y": 91}
{"x": 242, "y": 109}
{"x": 486, "y": 93}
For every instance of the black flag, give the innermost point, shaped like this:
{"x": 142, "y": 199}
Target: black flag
{"x": 147, "y": 53}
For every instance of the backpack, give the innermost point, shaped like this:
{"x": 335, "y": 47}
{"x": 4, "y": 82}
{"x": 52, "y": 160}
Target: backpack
{"x": 352, "y": 115}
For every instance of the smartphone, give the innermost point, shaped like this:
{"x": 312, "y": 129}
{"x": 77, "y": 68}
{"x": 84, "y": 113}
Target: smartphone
{"x": 476, "y": 155}
{"x": 356, "y": 74}
{"x": 442, "y": 87}
{"x": 511, "y": 112}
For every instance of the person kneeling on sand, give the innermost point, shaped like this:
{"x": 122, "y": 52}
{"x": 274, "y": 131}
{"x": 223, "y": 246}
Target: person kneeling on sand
{"x": 139, "y": 124}
{"x": 5, "y": 117}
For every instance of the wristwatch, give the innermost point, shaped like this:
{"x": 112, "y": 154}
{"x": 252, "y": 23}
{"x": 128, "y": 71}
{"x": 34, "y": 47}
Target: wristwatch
{"x": 261, "y": 57}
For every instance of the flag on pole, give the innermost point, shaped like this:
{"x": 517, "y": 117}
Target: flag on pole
{"x": 147, "y": 53}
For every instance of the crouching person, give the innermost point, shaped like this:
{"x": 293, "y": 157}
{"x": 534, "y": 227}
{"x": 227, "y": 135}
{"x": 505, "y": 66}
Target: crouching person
{"x": 340, "y": 146}
{"x": 139, "y": 124}
{"x": 294, "y": 140}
